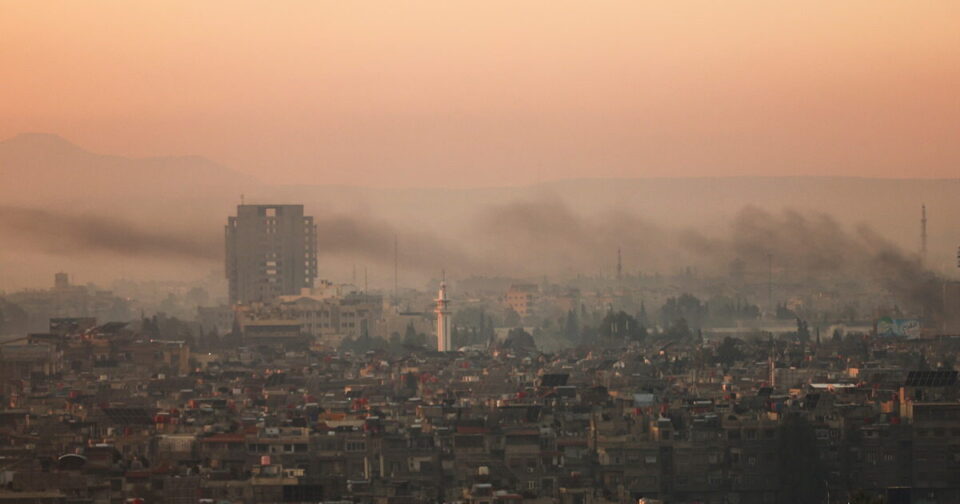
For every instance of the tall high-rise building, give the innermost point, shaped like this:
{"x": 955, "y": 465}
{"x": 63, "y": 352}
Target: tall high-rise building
{"x": 271, "y": 251}
{"x": 443, "y": 319}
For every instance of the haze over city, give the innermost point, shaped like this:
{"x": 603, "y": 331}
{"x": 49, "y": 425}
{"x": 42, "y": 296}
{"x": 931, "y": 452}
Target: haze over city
{"x": 524, "y": 252}
{"x": 241, "y": 98}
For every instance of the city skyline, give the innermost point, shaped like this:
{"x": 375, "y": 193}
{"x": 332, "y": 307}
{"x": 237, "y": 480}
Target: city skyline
{"x": 479, "y": 252}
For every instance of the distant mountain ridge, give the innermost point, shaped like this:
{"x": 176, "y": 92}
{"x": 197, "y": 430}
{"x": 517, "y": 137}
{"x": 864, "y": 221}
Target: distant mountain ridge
{"x": 49, "y": 168}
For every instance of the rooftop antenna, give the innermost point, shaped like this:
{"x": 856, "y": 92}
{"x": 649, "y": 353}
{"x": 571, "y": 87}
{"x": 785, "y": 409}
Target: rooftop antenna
{"x": 241, "y": 198}
{"x": 364, "y": 280}
{"x": 923, "y": 233}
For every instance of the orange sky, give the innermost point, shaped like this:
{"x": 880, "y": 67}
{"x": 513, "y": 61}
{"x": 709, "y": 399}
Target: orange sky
{"x": 411, "y": 93}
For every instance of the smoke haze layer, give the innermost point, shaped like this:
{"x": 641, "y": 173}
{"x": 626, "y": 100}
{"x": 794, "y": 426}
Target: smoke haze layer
{"x": 527, "y": 238}
{"x": 61, "y": 233}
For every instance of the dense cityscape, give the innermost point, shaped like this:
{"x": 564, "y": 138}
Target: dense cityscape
{"x": 738, "y": 388}
{"x": 479, "y": 252}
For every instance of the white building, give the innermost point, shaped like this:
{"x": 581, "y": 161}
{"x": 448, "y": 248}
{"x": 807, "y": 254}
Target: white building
{"x": 443, "y": 320}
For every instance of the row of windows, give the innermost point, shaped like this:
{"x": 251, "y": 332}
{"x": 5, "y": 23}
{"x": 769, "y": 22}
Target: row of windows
{"x": 277, "y": 448}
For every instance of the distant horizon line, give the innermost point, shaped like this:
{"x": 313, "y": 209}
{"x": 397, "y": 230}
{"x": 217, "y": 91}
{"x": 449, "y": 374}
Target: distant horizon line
{"x": 69, "y": 143}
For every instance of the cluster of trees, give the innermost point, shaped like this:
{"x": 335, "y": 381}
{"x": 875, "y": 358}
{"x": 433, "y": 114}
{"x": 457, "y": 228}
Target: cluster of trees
{"x": 685, "y": 307}
{"x": 784, "y": 313}
{"x": 723, "y": 310}
{"x": 472, "y": 325}
{"x": 13, "y": 320}
{"x": 518, "y": 339}
{"x": 619, "y": 326}
{"x": 411, "y": 340}
{"x": 720, "y": 310}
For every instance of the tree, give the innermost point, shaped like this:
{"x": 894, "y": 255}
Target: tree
{"x": 785, "y": 313}
{"x": 642, "y": 317}
{"x": 618, "y": 327}
{"x": 725, "y": 310}
{"x": 511, "y": 318}
{"x": 678, "y": 329}
{"x": 801, "y": 474}
{"x": 685, "y": 307}
{"x": 729, "y": 352}
{"x": 455, "y": 339}
{"x": 411, "y": 339}
{"x": 13, "y": 319}
{"x": 519, "y": 340}
{"x": 803, "y": 331}
{"x": 571, "y": 328}
{"x": 854, "y": 345}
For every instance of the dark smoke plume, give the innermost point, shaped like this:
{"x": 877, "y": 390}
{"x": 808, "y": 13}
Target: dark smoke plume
{"x": 530, "y": 238}
{"x": 68, "y": 234}
{"x": 817, "y": 247}
{"x": 339, "y": 235}
{"x": 547, "y": 237}
{"x": 369, "y": 238}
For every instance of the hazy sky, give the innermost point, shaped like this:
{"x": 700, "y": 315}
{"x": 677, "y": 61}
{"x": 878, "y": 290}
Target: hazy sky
{"x": 479, "y": 93}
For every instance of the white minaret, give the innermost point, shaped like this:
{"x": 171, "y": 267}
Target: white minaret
{"x": 443, "y": 318}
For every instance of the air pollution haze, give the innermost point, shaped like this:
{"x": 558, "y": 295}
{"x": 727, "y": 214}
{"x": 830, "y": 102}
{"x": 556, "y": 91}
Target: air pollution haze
{"x": 534, "y": 143}
{"x": 727, "y": 223}
{"x": 524, "y": 239}
{"x": 83, "y": 235}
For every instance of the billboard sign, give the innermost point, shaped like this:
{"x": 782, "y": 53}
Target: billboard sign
{"x": 904, "y": 328}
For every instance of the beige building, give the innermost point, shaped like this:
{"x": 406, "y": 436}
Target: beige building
{"x": 522, "y": 298}
{"x": 327, "y": 320}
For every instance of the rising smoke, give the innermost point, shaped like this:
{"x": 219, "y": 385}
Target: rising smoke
{"x": 69, "y": 234}
{"x": 532, "y": 238}
{"x": 813, "y": 249}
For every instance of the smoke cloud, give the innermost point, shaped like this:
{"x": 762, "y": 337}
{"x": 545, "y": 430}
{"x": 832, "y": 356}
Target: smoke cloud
{"x": 532, "y": 238}
{"x": 804, "y": 248}
{"x": 369, "y": 238}
{"x": 547, "y": 237}
{"x": 357, "y": 237}
{"x": 68, "y": 234}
